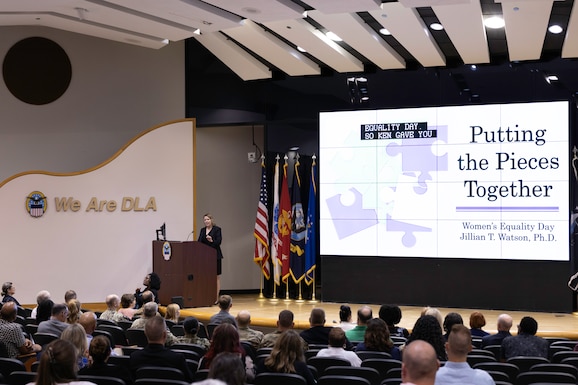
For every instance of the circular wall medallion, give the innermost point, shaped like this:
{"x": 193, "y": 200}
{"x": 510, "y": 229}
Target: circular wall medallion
{"x": 37, "y": 70}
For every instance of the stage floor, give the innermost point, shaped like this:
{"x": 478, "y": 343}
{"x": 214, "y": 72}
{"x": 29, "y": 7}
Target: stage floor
{"x": 264, "y": 313}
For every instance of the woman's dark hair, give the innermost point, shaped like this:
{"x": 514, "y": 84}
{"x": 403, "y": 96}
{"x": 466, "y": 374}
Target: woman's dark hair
{"x": 229, "y": 368}
{"x": 391, "y": 314}
{"x": 44, "y": 311}
{"x": 99, "y": 349}
{"x": 344, "y": 313}
{"x": 451, "y": 320}
{"x": 287, "y": 349}
{"x": 377, "y": 336}
{"x": 58, "y": 363}
{"x": 155, "y": 281}
{"x": 225, "y": 339}
{"x": 428, "y": 329}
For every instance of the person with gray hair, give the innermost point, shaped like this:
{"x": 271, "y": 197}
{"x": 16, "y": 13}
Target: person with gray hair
{"x": 357, "y": 334}
{"x": 8, "y": 290}
{"x": 57, "y": 322}
{"x": 42, "y": 296}
{"x": 111, "y": 313}
{"x": 150, "y": 311}
{"x": 419, "y": 364}
{"x": 252, "y": 336}
{"x": 526, "y": 343}
{"x": 504, "y": 325}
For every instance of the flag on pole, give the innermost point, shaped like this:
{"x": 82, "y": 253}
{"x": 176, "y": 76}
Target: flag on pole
{"x": 310, "y": 236}
{"x": 261, "y": 231}
{"x": 297, "y": 259}
{"x": 284, "y": 226}
{"x": 275, "y": 228}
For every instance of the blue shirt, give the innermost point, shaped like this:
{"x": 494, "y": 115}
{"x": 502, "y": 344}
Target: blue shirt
{"x": 461, "y": 373}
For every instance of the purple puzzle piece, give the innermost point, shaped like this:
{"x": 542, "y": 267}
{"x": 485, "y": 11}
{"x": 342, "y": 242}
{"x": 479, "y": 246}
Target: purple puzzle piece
{"x": 343, "y": 216}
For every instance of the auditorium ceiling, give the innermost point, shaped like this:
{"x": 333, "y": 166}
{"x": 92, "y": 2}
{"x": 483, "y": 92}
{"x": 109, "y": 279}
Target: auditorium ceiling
{"x": 257, "y": 39}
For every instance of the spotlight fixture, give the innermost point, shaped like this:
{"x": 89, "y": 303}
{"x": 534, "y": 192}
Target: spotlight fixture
{"x": 551, "y": 78}
{"x": 436, "y": 26}
{"x": 333, "y": 36}
{"x": 555, "y": 29}
{"x": 494, "y": 22}
{"x": 385, "y": 32}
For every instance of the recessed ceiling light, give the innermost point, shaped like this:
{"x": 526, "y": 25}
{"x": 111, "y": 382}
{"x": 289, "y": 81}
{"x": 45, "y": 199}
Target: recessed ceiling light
{"x": 333, "y": 36}
{"x": 473, "y": 67}
{"x": 251, "y": 10}
{"x": 555, "y": 28}
{"x": 494, "y": 22}
{"x": 385, "y": 31}
{"x": 551, "y": 78}
{"x": 301, "y": 49}
{"x": 436, "y": 26}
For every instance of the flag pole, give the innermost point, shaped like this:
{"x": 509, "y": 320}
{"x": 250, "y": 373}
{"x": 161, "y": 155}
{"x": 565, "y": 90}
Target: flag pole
{"x": 300, "y": 298}
{"x": 262, "y": 280}
{"x": 313, "y": 290}
{"x": 287, "y": 290}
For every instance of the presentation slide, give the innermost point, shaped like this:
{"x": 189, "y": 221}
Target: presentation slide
{"x": 484, "y": 181}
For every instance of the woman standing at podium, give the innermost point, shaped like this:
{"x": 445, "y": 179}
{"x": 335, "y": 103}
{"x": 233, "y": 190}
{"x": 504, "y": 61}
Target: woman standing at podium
{"x": 211, "y": 236}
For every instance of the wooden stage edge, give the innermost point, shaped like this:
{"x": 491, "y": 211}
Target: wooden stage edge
{"x": 264, "y": 314}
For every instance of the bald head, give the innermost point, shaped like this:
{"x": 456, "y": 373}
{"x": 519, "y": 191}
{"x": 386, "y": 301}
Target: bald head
{"x": 364, "y": 314}
{"x": 9, "y": 311}
{"x": 243, "y": 318}
{"x": 420, "y": 363}
{"x": 88, "y": 322}
{"x": 504, "y": 322}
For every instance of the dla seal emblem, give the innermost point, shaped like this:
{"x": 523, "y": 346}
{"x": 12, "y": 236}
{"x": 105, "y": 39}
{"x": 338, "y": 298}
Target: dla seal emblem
{"x": 167, "y": 251}
{"x": 36, "y": 204}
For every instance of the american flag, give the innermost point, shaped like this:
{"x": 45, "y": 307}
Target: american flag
{"x": 262, "y": 226}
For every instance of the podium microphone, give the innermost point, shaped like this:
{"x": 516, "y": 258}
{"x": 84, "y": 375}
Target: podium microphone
{"x": 191, "y": 233}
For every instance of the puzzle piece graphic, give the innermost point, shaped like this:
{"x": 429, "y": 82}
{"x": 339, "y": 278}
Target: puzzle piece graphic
{"x": 408, "y": 239}
{"x": 416, "y": 159}
{"x": 342, "y": 215}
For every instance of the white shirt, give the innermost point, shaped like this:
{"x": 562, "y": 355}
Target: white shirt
{"x": 341, "y": 353}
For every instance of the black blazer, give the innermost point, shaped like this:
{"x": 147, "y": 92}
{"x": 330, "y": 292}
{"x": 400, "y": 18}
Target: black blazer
{"x": 215, "y": 233}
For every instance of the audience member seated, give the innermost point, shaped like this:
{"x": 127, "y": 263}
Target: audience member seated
{"x": 127, "y": 304}
{"x": 284, "y": 323}
{"x": 428, "y": 329}
{"x": 11, "y": 333}
{"x": 99, "y": 352}
{"x": 73, "y": 311}
{"x": 503, "y": 327}
{"x": 337, "y": 348}
{"x": 457, "y": 370}
{"x": 287, "y": 357}
{"x": 150, "y": 310}
{"x": 450, "y": 320}
{"x": 42, "y": 296}
{"x": 76, "y": 335}
{"x": 377, "y": 339}
{"x": 191, "y": 326}
{"x": 526, "y": 343}
{"x": 357, "y": 334}
{"x": 433, "y": 311}
{"x": 225, "y": 304}
{"x": 152, "y": 283}
{"x": 44, "y": 311}
{"x": 252, "y": 336}
{"x": 70, "y": 294}
{"x": 8, "y": 290}
{"x": 155, "y": 353}
{"x": 146, "y": 297}
{"x": 391, "y": 314}
{"x": 318, "y": 333}
{"x": 345, "y": 318}
{"x": 57, "y": 322}
{"x": 58, "y": 365}
{"x": 477, "y": 322}
{"x": 228, "y": 368}
{"x": 88, "y": 322}
{"x": 173, "y": 312}
{"x": 226, "y": 339}
{"x": 420, "y": 364}
{"x": 112, "y": 305}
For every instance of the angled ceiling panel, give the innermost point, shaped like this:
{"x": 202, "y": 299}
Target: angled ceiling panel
{"x": 344, "y": 6}
{"x": 465, "y": 27}
{"x": 234, "y": 57}
{"x": 58, "y": 21}
{"x": 261, "y": 11}
{"x": 360, "y": 37}
{"x": 304, "y": 35}
{"x": 526, "y": 25}
{"x": 192, "y": 13}
{"x": 407, "y": 27}
{"x": 273, "y": 50}
{"x": 570, "y": 48}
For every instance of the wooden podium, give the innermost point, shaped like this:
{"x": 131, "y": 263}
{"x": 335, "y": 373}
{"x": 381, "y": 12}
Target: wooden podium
{"x": 187, "y": 269}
